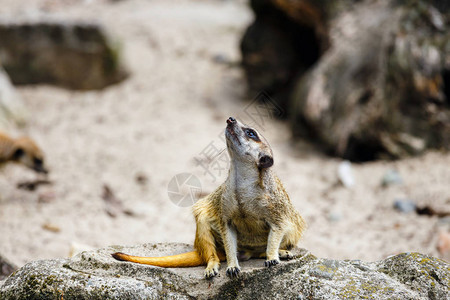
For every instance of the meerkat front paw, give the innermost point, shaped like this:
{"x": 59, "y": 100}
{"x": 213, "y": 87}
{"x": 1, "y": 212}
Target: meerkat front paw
{"x": 285, "y": 254}
{"x": 233, "y": 272}
{"x": 272, "y": 262}
{"x": 212, "y": 269}
{"x": 210, "y": 273}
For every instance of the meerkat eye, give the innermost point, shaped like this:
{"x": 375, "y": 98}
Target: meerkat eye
{"x": 251, "y": 134}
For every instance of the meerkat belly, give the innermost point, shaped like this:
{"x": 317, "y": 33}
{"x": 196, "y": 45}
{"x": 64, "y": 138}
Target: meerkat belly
{"x": 252, "y": 232}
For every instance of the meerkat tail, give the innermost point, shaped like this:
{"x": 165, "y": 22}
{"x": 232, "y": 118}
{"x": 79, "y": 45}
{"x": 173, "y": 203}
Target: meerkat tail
{"x": 188, "y": 259}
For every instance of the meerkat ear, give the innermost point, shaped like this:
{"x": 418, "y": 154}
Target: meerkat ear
{"x": 18, "y": 154}
{"x": 265, "y": 161}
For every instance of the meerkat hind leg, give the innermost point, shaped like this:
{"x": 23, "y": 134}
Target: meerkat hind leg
{"x": 288, "y": 242}
{"x": 285, "y": 254}
{"x": 282, "y": 253}
{"x": 205, "y": 245}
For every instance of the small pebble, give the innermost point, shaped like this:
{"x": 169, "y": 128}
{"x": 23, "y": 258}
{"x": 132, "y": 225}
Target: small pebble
{"x": 334, "y": 216}
{"x": 51, "y": 227}
{"x": 141, "y": 178}
{"x": 404, "y": 205}
{"x": 345, "y": 174}
{"x": 436, "y": 18}
{"x": 220, "y": 59}
{"x": 391, "y": 177}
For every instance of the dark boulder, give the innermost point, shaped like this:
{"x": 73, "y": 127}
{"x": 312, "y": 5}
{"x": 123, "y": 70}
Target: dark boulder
{"x": 380, "y": 83}
{"x": 72, "y": 55}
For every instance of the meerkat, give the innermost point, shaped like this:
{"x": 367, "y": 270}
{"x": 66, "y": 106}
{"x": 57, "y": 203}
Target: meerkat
{"x": 249, "y": 215}
{"x": 22, "y": 150}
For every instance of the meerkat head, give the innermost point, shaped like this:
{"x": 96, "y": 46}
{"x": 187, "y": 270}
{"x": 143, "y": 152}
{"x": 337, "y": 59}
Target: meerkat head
{"x": 28, "y": 153}
{"x": 247, "y": 145}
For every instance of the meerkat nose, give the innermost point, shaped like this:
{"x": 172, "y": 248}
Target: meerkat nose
{"x": 231, "y": 120}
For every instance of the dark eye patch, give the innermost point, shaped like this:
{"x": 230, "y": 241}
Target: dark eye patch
{"x": 250, "y": 133}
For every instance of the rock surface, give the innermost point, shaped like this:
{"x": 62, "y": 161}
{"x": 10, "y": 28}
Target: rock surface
{"x": 73, "y": 55}
{"x": 95, "y": 275}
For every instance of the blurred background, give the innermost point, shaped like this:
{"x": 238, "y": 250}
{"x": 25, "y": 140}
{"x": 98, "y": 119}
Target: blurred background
{"x": 128, "y": 100}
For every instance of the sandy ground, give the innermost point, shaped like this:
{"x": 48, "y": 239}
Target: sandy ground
{"x": 164, "y": 116}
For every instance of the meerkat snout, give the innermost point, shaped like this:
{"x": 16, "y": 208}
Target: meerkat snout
{"x": 247, "y": 144}
{"x": 231, "y": 120}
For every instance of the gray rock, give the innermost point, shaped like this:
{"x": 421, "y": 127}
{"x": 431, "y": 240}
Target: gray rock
{"x": 405, "y": 205}
{"x": 95, "y": 275}
{"x": 73, "y": 55}
{"x": 391, "y": 177}
{"x": 334, "y": 216}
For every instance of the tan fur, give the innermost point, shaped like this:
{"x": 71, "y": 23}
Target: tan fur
{"x": 249, "y": 215}
{"x": 21, "y": 150}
